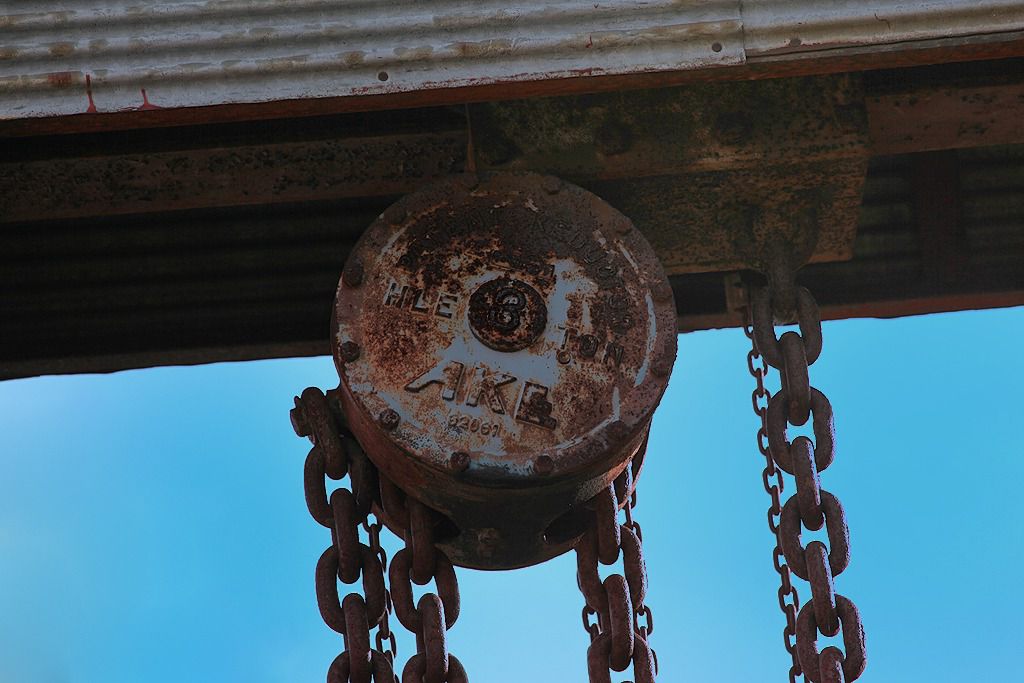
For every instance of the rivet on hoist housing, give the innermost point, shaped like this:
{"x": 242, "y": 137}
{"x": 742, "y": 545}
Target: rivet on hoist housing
{"x": 502, "y": 342}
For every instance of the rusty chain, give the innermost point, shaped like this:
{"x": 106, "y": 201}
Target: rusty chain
{"x": 615, "y": 613}
{"x": 335, "y": 454}
{"x": 811, "y": 507}
{"x": 421, "y": 562}
{"x": 622, "y": 620}
{"x": 771, "y": 477}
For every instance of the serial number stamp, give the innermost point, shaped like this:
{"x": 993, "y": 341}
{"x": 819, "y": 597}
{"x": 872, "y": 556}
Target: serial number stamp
{"x": 474, "y": 425}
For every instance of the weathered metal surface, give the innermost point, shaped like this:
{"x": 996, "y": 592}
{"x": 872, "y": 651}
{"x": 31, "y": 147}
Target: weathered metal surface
{"x": 72, "y": 58}
{"x": 140, "y": 64}
{"x": 708, "y": 127}
{"x": 382, "y": 165}
{"x": 784, "y": 27}
{"x": 695, "y": 129}
{"x": 714, "y": 221}
{"x": 804, "y": 150}
{"x": 514, "y": 335}
{"x": 947, "y": 117}
{"x": 712, "y": 170}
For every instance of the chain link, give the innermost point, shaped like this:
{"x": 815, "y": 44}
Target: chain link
{"x": 622, "y": 622}
{"x": 774, "y": 485}
{"x": 421, "y": 562}
{"x": 811, "y": 507}
{"x": 335, "y": 454}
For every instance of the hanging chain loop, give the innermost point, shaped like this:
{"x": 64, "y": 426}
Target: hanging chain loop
{"x": 421, "y": 562}
{"x": 811, "y": 507}
{"x": 335, "y": 454}
{"x": 617, "y": 638}
{"x": 771, "y": 476}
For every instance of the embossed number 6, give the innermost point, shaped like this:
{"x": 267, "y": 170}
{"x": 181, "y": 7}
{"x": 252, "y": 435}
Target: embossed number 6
{"x": 504, "y": 312}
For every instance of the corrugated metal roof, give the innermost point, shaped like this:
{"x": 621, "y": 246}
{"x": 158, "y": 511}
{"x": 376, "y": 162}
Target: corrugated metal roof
{"x": 61, "y": 58}
{"x": 187, "y": 54}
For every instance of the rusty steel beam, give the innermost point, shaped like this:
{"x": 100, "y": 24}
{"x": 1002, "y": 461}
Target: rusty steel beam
{"x": 227, "y": 176}
{"x": 661, "y": 132}
{"x": 691, "y": 166}
{"x": 953, "y": 108}
{"x": 928, "y": 119}
{"x": 592, "y": 138}
{"x": 621, "y": 135}
{"x": 231, "y": 279}
{"x": 896, "y": 307}
{"x": 706, "y": 127}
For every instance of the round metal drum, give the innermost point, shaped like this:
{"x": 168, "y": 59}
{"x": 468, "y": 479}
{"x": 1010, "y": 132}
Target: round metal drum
{"x": 502, "y": 343}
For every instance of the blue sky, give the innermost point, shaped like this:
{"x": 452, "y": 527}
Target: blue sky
{"x": 152, "y": 524}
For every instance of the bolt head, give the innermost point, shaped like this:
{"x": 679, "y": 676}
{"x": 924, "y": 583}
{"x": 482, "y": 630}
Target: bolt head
{"x": 551, "y": 184}
{"x": 350, "y": 351}
{"x": 459, "y": 461}
{"x": 395, "y": 215}
{"x": 662, "y": 293}
{"x": 488, "y": 540}
{"x": 389, "y": 419}
{"x": 661, "y": 368}
{"x": 543, "y": 465}
{"x": 352, "y": 276}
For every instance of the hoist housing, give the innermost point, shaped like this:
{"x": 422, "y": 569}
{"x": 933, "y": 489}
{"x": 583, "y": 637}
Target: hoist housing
{"x": 502, "y": 342}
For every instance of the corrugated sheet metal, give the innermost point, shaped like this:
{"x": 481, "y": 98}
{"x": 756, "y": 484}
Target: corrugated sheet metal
{"x": 775, "y": 27}
{"x": 60, "y": 58}
{"x": 70, "y": 57}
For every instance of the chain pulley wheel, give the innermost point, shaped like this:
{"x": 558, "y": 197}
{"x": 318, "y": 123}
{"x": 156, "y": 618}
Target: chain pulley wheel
{"x": 502, "y": 343}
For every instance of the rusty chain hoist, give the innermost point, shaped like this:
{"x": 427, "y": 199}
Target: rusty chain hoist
{"x": 812, "y": 507}
{"x": 502, "y": 341}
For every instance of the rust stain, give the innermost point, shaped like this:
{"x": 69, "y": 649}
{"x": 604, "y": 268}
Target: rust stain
{"x": 91, "y": 109}
{"x": 353, "y": 58}
{"x": 422, "y": 52}
{"x": 485, "y": 48}
{"x": 146, "y": 104}
{"x": 62, "y": 49}
{"x": 61, "y": 79}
